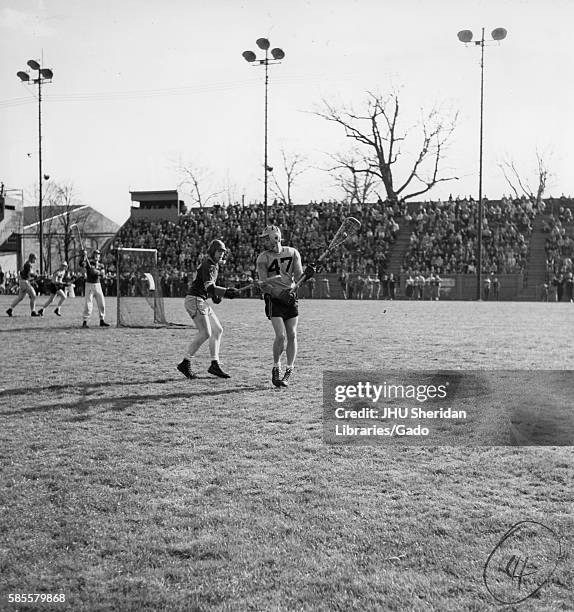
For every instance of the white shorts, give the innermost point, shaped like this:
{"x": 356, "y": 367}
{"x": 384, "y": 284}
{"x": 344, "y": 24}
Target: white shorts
{"x": 195, "y": 305}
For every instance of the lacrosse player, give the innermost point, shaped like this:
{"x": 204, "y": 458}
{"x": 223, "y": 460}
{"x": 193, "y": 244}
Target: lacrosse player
{"x": 56, "y": 287}
{"x": 278, "y": 267}
{"x": 26, "y": 289}
{"x": 208, "y": 325}
{"x": 94, "y": 273}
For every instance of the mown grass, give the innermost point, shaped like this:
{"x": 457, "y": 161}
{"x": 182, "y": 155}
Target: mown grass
{"x": 128, "y": 487}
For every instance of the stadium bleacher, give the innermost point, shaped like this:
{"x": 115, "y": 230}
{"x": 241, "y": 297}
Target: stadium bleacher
{"x": 439, "y": 238}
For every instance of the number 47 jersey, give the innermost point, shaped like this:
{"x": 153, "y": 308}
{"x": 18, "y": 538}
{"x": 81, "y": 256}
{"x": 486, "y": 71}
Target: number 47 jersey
{"x": 279, "y": 270}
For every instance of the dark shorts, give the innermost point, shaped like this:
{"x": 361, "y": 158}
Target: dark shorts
{"x": 275, "y": 308}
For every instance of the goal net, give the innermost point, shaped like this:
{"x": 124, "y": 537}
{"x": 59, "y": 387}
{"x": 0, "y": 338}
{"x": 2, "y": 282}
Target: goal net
{"x": 140, "y": 300}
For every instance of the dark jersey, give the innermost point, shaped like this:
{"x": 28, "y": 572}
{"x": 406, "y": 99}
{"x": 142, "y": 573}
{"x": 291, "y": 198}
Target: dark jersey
{"x": 206, "y": 276}
{"x": 26, "y": 271}
{"x": 94, "y": 271}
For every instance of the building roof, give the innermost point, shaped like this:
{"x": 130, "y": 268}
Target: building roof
{"x": 31, "y": 212}
{"x": 169, "y": 195}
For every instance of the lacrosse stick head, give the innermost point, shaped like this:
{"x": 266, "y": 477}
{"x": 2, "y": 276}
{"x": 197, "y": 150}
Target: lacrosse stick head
{"x": 79, "y": 234}
{"x": 349, "y": 228}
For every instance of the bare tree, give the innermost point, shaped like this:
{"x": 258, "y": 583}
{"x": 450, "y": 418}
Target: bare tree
{"x": 64, "y": 210}
{"x": 71, "y": 212}
{"x": 520, "y": 185}
{"x": 197, "y": 181}
{"x": 61, "y": 207}
{"x": 230, "y": 192}
{"x": 293, "y": 166}
{"x": 407, "y": 161}
{"x": 358, "y": 187}
{"x": 46, "y": 228}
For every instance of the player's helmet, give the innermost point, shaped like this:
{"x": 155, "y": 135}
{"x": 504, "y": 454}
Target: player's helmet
{"x": 214, "y": 246}
{"x": 272, "y": 234}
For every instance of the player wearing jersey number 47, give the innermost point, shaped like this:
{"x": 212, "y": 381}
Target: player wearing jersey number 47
{"x": 208, "y": 325}
{"x": 278, "y": 268}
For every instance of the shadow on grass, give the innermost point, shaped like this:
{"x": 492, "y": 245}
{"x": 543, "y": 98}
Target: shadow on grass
{"x": 83, "y": 405}
{"x": 94, "y": 326}
{"x": 51, "y": 329}
{"x": 84, "y": 387}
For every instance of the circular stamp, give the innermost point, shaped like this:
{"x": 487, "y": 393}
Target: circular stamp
{"x": 522, "y": 562}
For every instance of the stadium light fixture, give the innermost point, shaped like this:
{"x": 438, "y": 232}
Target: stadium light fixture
{"x": 466, "y": 36}
{"x": 276, "y": 56}
{"x": 44, "y": 75}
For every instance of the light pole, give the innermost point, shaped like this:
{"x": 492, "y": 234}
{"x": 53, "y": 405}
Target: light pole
{"x": 277, "y": 55}
{"x": 465, "y": 36}
{"x": 44, "y": 75}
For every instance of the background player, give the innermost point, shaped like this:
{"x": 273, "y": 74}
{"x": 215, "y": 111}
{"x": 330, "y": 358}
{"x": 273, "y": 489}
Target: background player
{"x": 26, "y": 289}
{"x": 278, "y": 268}
{"x": 206, "y": 321}
{"x": 57, "y": 288}
{"x": 94, "y": 273}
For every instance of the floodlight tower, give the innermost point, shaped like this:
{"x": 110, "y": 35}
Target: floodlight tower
{"x": 277, "y": 55}
{"x": 44, "y": 75}
{"x": 466, "y": 36}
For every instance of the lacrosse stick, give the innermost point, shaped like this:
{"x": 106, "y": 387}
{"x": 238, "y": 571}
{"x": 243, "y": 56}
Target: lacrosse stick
{"x": 79, "y": 235}
{"x": 349, "y": 227}
{"x": 242, "y": 289}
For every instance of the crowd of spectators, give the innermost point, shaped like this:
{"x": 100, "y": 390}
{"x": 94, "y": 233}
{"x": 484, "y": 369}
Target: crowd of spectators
{"x": 560, "y": 241}
{"x": 182, "y": 244}
{"x": 442, "y": 241}
{"x": 443, "y": 236}
{"x": 559, "y": 255}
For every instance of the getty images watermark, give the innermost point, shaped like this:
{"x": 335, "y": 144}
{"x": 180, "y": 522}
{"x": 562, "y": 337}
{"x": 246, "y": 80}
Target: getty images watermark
{"x": 447, "y": 408}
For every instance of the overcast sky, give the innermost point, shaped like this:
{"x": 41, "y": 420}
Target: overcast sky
{"x": 141, "y": 86}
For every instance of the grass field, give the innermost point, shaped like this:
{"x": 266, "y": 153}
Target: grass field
{"x": 127, "y": 487}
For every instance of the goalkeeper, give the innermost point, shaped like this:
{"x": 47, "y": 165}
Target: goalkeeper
{"x": 278, "y": 268}
{"x": 208, "y": 325}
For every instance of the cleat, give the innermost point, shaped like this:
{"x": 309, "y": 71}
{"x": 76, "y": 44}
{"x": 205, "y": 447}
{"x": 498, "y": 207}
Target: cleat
{"x": 103, "y": 323}
{"x": 85, "y": 324}
{"x": 9, "y": 312}
{"x": 275, "y": 378}
{"x": 185, "y": 368}
{"x": 40, "y": 312}
{"x": 287, "y": 376}
{"x": 57, "y": 312}
{"x": 35, "y": 314}
{"x": 217, "y": 371}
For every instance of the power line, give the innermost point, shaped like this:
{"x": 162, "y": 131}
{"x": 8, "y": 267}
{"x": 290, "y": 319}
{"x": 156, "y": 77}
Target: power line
{"x": 176, "y": 91}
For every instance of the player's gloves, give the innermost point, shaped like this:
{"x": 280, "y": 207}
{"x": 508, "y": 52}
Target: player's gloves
{"x": 310, "y": 271}
{"x": 287, "y": 296}
{"x": 230, "y": 293}
{"x": 216, "y": 299}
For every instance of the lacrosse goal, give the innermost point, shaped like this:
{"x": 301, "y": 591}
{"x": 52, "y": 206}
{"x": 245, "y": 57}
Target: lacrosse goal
{"x": 140, "y": 301}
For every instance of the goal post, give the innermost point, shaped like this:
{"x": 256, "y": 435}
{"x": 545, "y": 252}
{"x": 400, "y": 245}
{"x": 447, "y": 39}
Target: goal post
{"x": 138, "y": 288}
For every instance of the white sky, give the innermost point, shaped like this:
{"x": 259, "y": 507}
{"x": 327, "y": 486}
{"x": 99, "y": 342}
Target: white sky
{"x": 141, "y": 84}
